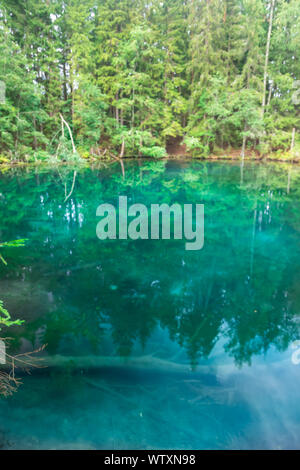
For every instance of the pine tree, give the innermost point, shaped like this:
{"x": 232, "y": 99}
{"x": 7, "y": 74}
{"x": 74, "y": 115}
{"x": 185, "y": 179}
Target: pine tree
{"x": 20, "y": 113}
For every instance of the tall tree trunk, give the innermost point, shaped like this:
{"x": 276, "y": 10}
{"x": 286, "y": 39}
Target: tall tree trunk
{"x": 270, "y": 95}
{"x": 267, "y": 55}
{"x": 65, "y": 91}
{"x": 293, "y": 139}
{"x": 117, "y": 109}
{"x": 122, "y": 149}
{"x": 132, "y": 111}
{"x": 243, "y": 147}
{"x": 34, "y": 138}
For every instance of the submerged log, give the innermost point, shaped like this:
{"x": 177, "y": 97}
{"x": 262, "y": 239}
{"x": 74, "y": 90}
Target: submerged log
{"x": 147, "y": 363}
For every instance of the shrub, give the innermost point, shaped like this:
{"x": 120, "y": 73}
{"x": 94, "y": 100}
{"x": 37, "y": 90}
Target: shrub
{"x": 155, "y": 151}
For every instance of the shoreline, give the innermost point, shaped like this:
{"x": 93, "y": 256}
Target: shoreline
{"x": 92, "y": 161}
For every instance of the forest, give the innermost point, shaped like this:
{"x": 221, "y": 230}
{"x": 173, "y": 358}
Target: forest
{"x": 132, "y": 78}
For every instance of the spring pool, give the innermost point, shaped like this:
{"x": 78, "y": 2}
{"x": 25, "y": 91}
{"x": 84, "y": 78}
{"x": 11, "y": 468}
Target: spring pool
{"x": 149, "y": 345}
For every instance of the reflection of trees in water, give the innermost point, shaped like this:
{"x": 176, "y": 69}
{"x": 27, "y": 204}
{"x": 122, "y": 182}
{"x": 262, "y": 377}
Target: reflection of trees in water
{"x": 242, "y": 286}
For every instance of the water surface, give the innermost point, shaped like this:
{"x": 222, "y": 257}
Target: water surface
{"x": 153, "y": 346}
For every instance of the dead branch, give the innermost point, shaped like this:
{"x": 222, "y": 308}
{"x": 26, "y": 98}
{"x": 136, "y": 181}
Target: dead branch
{"x": 64, "y": 122}
{"x": 9, "y": 383}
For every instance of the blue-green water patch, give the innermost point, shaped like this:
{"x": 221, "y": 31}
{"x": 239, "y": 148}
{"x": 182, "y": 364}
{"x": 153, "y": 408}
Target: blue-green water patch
{"x": 149, "y": 345}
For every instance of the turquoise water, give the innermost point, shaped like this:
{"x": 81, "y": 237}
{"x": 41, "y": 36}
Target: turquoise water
{"x": 149, "y": 345}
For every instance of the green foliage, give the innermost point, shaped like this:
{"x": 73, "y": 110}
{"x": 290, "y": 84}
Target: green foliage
{"x": 155, "y": 151}
{"x": 195, "y": 145}
{"x": 11, "y": 244}
{"x": 119, "y": 70}
{"x": 192, "y": 142}
{"x": 89, "y": 115}
{"x": 5, "y": 318}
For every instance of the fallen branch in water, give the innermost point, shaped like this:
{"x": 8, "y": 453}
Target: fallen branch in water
{"x": 149, "y": 363}
{"x": 9, "y": 383}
